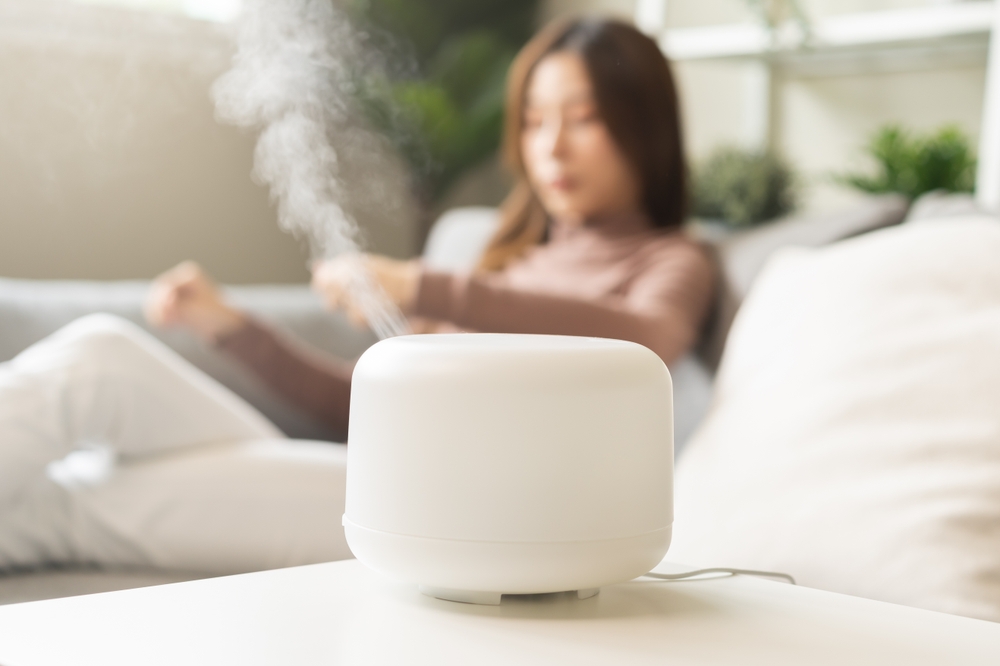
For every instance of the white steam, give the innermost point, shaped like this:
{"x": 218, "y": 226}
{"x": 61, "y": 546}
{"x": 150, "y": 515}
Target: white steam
{"x": 291, "y": 78}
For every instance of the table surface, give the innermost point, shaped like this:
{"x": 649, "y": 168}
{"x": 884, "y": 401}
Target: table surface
{"x": 341, "y": 613}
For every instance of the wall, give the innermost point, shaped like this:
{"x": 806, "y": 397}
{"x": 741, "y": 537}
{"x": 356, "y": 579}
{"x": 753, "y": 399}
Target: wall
{"x": 112, "y": 164}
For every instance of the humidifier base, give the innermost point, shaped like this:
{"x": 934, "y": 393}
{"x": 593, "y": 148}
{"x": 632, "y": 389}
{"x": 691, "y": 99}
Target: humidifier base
{"x": 486, "y": 598}
{"x": 456, "y": 568}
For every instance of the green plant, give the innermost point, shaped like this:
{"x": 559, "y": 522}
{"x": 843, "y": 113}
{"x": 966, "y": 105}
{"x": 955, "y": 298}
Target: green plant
{"x": 743, "y": 188}
{"x": 440, "y": 99}
{"x": 911, "y": 163}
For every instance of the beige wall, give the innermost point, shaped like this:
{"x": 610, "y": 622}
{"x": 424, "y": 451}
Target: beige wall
{"x": 823, "y": 121}
{"x": 111, "y": 163}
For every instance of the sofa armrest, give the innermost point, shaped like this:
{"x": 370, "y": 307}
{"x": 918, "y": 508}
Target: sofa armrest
{"x": 32, "y": 309}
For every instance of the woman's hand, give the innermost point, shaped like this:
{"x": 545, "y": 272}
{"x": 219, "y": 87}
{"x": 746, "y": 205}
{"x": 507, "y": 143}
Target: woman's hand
{"x": 186, "y": 297}
{"x": 333, "y": 280}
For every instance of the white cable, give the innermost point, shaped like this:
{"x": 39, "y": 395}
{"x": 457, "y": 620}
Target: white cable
{"x": 731, "y": 572}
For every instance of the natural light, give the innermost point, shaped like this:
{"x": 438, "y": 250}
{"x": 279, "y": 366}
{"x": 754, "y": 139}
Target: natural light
{"x": 219, "y": 11}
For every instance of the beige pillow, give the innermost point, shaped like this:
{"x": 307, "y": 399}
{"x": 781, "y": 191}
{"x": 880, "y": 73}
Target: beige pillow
{"x": 854, "y": 439}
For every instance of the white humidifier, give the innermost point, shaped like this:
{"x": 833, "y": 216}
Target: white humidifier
{"x": 483, "y": 464}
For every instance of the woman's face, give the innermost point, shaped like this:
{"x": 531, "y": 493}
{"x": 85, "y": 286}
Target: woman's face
{"x": 574, "y": 164}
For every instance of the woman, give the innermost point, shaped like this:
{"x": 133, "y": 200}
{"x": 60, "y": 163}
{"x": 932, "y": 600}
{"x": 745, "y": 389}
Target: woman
{"x": 589, "y": 244}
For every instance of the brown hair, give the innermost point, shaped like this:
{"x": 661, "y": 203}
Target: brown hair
{"x": 637, "y": 100}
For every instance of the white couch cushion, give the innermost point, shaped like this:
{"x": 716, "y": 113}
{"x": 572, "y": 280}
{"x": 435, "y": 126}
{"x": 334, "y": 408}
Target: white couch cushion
{"x": 459, "y": 237}
{"x": 854, "y": 440}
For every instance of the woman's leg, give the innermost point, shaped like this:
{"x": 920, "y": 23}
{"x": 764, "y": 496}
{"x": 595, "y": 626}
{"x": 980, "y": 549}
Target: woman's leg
{"x": 219, "y": 509}
{"x": 105, "y": 381}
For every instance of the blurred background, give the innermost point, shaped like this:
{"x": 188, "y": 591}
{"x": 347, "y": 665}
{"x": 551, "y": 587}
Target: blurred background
{"x": 113, "y": 166}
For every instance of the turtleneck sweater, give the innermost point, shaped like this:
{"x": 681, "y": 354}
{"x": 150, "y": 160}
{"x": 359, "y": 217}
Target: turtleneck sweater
{"x": 614, "y": 278}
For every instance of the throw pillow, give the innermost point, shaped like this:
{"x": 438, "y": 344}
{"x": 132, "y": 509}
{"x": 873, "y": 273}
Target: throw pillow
{"x": 854, "y": 438}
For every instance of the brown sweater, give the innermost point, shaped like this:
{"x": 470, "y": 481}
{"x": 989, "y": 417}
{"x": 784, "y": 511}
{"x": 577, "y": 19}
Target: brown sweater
{"x": 615, "y": 280}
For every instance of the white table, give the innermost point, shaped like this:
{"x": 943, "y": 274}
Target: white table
{"x": 341, "y": 614}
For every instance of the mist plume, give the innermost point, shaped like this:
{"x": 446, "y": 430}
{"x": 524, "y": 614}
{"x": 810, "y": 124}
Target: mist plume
{"x": 292, "y": 79}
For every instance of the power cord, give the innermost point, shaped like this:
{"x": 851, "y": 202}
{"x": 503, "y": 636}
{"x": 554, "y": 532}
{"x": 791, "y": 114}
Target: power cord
{"x": 732, "y": 572}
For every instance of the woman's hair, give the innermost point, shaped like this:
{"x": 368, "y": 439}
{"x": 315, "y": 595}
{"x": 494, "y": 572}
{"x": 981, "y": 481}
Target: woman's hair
{"x": 636, "y": 99}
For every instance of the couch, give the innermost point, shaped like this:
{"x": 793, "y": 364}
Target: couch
{"x": 30, "y": 310}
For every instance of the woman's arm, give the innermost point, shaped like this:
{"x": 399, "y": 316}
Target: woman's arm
{"x": 318, "y": 384}
{"x": 663, "y": 308}
{"x": 186, "y": 297}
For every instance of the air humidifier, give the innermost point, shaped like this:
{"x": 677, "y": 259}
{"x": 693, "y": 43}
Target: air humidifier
{"x": 485, "y": 464}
